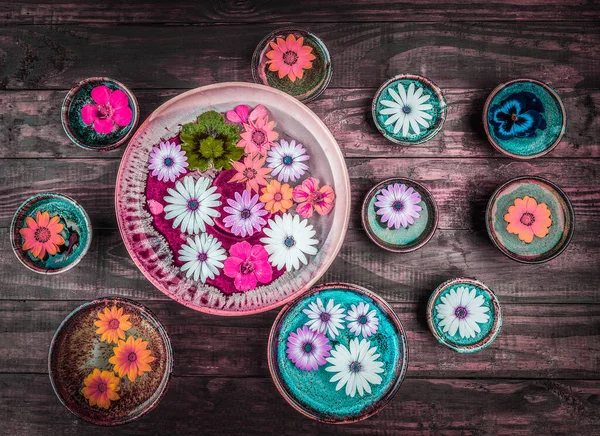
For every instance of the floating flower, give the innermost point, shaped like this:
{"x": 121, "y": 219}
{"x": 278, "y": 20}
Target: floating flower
{"x": 251, "y": 172}
{"x": 242, "y": 114}
{"x": 462, "y": 310}
{"x": 155, "y": 207}
{"x": 110, "y": 108}
{"x": 361, "y": 320}
{"x": 307, "y": 349}
{"x": 287, "y": 161}
{"x": 288, "y": 241}
{"x": 247, "y": 265}
{"x": 131, "y": 358}
{"x": 527, "y": 218}
{"x": 277, "y": 197}
{"x": 42, "y": 235}
{"x": 100, "y": 388}
{"x": 258, "y": 136}
{"x": 289, "y": 57}
{"x": 309, "y": 196}
{"x": 203, "y": 257}
{"x": 245, "y": 214}
{"x": 167, "y": 161}
{"x": 517, "y": 116}
{"x": 407, "y": 109}
{"x": 112, "y": 324}
{"x": 356, "y": 368}
{"x": 325, "y": 319}
{"x": 398, "y": 205}
{"x": 192, "y": 204}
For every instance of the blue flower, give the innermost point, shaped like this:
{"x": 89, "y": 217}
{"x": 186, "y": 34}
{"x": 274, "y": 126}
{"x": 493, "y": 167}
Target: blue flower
{"x": 519, "y": 115}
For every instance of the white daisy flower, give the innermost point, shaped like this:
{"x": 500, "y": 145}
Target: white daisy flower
{"x": 167, "y": 161}
{"x": 287, "y": 160}
{"x": 288, "y": 241}
{"x": 325, "y": 319}
{"x": 463, "y": 311}
{"x": 192, "y": 204}
{"x": 407, "y": 109}
{"x": 357, "y": 368}
{"x": 361, "y": 320}
{"x": 203, "y": 257}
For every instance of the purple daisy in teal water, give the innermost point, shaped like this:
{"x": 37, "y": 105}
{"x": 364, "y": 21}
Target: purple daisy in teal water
{"x": 245, "y": 214}
{"x": 398, "y": 205}
{"x": 307, "y": 349}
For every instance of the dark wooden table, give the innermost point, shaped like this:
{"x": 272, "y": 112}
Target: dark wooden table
{"x": 541, "y": 376}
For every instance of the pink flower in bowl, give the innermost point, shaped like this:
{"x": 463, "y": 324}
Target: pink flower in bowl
{"x": 247, "y": 265}
{"x": 310, "y": 197}
{"x": 110, "y": 108}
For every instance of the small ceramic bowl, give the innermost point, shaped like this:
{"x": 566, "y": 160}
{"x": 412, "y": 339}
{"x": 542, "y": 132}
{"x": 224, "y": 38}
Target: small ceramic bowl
{"x": 464, "y": 314}
{"x": 524, "y": 118}
{"x": 90, "y": 355}
{"x": 50, "y": 233}
{"x": 409, "y": 109}
{"x": 313, "y": 347}
{"x": 399, "y": 215}
{"x": 294, "y": 61}
{"x": 530, "y": 219}
{"x": 100, "y": 114}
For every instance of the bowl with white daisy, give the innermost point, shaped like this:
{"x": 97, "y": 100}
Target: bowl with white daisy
{"x": 338, "y": 353}
{"x": 464, "y": 314}
{"x": 409, "y": 109}
{"x": 400, "y": 215}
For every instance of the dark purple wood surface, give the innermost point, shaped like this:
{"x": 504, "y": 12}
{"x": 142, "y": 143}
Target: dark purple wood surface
{"x": 542, "y": 374}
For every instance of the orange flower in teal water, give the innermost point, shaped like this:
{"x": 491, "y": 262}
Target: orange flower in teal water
{"x": 289, "y": 57}
{"x": 131, "y": 358}
{"x": 112, "y": 324}
{"x": 101, "y": 388}
{"x": 527, "y": 218}
{"x": 42, "y": 235}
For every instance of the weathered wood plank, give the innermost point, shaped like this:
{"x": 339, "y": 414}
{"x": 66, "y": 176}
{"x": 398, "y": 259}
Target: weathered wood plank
{"x": 253, "y": 406}
{"x": 459, "y": 55}
{"x": 407, "y": 278}
{"x": 537, "y": 341}
{"x": 314, "y": 11}
{"x": 30, "y": 124}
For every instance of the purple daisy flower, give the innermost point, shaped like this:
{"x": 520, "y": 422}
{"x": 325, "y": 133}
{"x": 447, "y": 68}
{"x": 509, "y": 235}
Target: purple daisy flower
{"x": 245, "y": 214}
{"x": 167, "y": 161}
{"x": 398, "y": 205}
{"x": 307, "y": 348}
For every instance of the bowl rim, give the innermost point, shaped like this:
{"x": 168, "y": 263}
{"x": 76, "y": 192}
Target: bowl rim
{"x": 67, "y": 103}
{"x": 164, "y": 335}
{"x": 390, "y": 247}
{"x": 497, "y": 146}
{"x": 392, "y": 390}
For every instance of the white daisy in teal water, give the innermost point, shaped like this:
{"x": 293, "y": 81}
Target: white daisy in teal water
{"x": 325, "y": 319}
{"x": 462, "y": 310}
{"x": 203, "y": 257}
{"x": 407, "y": 109}
{"x": 362, "y": 320}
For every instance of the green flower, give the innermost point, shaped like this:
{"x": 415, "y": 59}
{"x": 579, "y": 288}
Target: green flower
{"x": 210, "y": 140}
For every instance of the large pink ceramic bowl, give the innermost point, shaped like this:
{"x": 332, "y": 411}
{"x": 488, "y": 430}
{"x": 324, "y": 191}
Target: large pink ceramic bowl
{"x": 153, "y": 252}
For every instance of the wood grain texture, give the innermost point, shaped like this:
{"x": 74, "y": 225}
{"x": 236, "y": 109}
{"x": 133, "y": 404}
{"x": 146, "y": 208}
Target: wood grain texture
{"x": 30, "y": 124}
{"x": 454, "y": 55}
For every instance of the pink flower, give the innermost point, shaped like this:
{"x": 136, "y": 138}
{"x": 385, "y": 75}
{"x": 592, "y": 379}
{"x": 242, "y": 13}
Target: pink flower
{"x": 111, "y": 107}
{"x": 258, "y": 136}
{"x": 241, "y": 113}
{"x": 309, "y": 197}
{"x": 307, "y": 348}
{"x": 248, "y": 265}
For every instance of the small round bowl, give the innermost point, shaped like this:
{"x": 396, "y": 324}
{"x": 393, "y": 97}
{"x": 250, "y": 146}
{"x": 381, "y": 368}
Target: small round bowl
{"x": 524, "y": 118}
{"x": 100, "y": 114}
{"x": 401, "y": 239}
{"x": 69, "y": 236}
{"x": 456, "y": 306}
{"x": 307, "y": 384}
{"x": 81, "y": 361}
{"x": 525, "y": 232}
{"x": 272, "y": 70}
{"x": 409, "y": 109}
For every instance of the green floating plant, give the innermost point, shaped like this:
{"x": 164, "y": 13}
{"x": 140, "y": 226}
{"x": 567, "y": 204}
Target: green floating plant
{"x": 210, "y": 140}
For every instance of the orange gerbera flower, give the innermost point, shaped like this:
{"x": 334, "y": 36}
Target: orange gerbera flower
{"x": 42, "y": 235}
{"x": 258, "y": 136}
{"x": 251, "y": 172}
{"x": 277, "y": 197}
{"x": 112, "y": 324}
{"x": 527, "y": 218}
{"x": 101, "y": 388}
{"x": 290, "y": 57}
{"x": 131, "y": 358}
